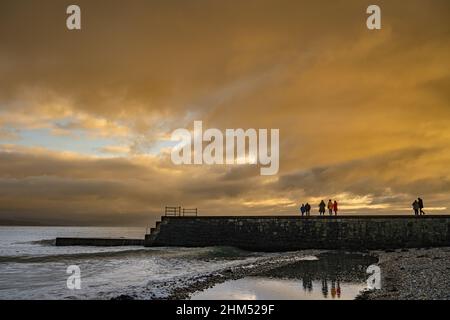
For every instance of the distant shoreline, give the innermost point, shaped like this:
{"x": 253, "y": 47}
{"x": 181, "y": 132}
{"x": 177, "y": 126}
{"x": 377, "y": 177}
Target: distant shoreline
{"x": 9, "y": 223}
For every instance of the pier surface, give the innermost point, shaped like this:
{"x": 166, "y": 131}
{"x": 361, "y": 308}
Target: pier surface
{"x": 286, "y": 233}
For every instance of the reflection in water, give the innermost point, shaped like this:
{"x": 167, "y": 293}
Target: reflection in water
{"x": 330, "y": 269}
{"x": 332, "y": 276}
{"x": 325, "y": 288}
{"x": 257, "y": 288}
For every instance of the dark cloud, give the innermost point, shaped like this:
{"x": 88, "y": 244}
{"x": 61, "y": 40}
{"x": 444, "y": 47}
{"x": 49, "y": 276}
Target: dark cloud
{"x": 362, "y": 114}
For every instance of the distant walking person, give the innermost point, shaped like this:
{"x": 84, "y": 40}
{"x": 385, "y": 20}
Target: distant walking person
{"x": 335, "y": 207}
{"x": 303, "y": 209}
{"x": 330, "y": 207}
{"x": 420, "y": 202}
{"x": 308, "y": 209}
{"x": 322, "y": 208}
{"x": 416, "y": 207}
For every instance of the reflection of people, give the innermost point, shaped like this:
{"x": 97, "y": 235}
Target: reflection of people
{"x": 307, "y": 283}
{"x": 325, "y": 288}
{"x": 333, "y": 289}
{"x": 310, "y": 286}
{"x": 322, "y": 208}
{"x": 338, "y": 289}
{"x": 330, "y": 207}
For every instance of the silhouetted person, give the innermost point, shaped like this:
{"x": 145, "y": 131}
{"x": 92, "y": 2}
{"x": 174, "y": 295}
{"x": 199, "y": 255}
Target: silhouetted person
{"x": 420, "y": 202}
{"x": 416, "y": 208}
{"x": 338, "y": 289}
{"x": 303, "y": 209}
{"x": 335, "y": 207}
{"x": 322, "y": 208}
{"x": 330, "y": 207}
{"x": 308, "y": 209}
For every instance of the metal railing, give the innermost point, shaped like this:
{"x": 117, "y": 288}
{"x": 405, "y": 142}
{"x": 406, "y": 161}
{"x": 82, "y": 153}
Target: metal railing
{"x": 172, "y": 211}
{"x": 179, "y": 211}
{"x": 190, "y": 212}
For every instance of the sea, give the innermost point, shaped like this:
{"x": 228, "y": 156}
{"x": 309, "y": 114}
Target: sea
{"x": 33, "y": 268}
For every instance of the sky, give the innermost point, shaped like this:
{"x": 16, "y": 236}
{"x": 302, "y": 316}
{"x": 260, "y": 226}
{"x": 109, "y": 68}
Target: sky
{"x": 86, "y": 116}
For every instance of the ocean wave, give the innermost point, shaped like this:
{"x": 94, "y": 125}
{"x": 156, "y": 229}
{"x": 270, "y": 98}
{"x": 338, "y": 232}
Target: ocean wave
{"x": 173, "y": 252}
{"x": 224, "y": 252}
{"x": 43, "y": 242}
{"x": 72, "y": 256}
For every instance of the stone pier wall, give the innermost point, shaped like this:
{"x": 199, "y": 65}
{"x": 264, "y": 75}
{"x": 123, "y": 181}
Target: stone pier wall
{"x": 284, "y": 233}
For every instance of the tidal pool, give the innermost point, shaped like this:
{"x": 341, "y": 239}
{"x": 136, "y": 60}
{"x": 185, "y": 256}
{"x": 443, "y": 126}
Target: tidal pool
{"x": 338, "y": 276}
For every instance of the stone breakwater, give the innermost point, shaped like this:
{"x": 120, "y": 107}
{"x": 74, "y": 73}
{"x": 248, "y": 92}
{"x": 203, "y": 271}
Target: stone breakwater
{"x": 290, "y": 233}
{"x": 98, "y": 242}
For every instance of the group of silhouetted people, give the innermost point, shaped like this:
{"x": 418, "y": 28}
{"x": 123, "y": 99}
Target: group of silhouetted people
{"x": 332, "y": 207}
{"x": 305, "y": 209}
{"x": 418, "y": 207}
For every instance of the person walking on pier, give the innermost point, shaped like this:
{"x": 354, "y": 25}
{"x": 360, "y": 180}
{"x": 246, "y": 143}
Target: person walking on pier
{"x": 420, "y": 203}
{"x": 330, "y": 207}
{"x": 416, "y": 207}
{"x": 322, "y": 208}
{"x": 335, "y": 207}
{"x": 302, "y": 209}
{"x": 308, "y": 209}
